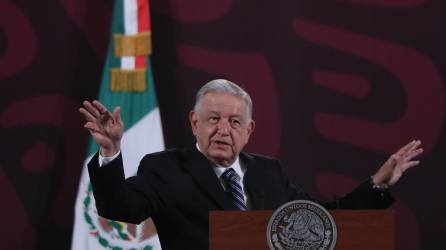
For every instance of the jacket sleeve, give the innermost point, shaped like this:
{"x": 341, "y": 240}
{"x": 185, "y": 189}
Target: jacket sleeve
{"x": 362, "y": 197}
{"x": 132, "y": 200}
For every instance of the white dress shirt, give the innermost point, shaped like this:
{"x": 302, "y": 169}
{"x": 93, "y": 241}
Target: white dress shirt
{"x": 104, "y": 160}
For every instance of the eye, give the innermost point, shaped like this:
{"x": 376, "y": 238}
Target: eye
{"x": 213, "y": 119}
{"x": 235, "y": 123}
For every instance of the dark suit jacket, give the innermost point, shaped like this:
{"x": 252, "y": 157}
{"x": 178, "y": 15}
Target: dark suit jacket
{"x": 178, "y": 188}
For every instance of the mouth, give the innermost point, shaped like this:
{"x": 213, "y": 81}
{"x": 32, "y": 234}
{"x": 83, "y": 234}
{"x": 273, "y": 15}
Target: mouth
{"x": 221, "y": 143}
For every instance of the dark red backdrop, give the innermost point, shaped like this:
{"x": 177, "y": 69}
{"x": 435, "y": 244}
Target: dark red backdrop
{"x": 337, "y": 86}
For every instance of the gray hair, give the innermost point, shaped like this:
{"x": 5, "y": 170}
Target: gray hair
{"x": 224, "y": 86}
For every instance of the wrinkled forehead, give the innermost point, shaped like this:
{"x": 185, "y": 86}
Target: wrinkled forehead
{"x": 223, "y": 102}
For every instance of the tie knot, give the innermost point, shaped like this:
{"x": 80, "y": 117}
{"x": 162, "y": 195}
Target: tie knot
{"x": 230, "y": 174}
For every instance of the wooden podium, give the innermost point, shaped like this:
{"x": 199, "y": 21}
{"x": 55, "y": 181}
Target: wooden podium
{"x": 357, "y": 229}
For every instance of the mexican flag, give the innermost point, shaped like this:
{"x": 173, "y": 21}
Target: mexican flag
{"x": 127, "y": 82}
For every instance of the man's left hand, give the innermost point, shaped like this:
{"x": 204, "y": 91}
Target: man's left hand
{"x": 391, "y": 171}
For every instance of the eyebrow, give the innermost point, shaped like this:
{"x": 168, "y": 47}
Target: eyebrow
{"x": 211, "y": 112}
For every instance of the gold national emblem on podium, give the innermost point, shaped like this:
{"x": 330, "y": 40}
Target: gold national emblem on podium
{"x": 301, "y": 225}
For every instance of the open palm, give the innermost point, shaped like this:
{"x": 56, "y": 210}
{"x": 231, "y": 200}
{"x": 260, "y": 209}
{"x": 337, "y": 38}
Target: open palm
{"x": 392, "y": 170}
{"x": 106, "y": 128}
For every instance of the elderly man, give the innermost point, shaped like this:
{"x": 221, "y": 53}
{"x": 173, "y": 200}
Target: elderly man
{"x": 178, "y": 187}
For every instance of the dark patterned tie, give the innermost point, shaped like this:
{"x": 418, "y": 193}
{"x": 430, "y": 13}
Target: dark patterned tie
{"x": 234, "y": 189}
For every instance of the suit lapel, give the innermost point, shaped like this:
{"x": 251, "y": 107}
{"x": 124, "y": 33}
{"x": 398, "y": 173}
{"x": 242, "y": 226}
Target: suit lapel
{"x": 254, "y": 181}
{"x": 200, "y": 169}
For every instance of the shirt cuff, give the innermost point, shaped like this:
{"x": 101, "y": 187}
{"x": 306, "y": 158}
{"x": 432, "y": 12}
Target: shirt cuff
{"x": 105, "y": 160}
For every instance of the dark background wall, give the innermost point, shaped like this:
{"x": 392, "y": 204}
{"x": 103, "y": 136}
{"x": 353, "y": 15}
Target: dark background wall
{"x": 337, "y": 87}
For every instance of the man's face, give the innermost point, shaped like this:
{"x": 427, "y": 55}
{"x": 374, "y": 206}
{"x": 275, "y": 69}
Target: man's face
{"x": 221, "y": 126}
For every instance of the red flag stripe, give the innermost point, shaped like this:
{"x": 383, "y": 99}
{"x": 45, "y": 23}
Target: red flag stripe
{"x": 143, "y": 26}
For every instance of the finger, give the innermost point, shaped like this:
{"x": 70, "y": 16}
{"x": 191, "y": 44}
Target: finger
{"x": 117, "y": 114}
{"x": 413, "y": 154}
{"x": 407, "y": 146}
{"x": 92, "y": 109}
{"x": 102, "y": 109}
{"x": 409, "y": 164}
{"x": 415, "y": 145}
{"x": 92, "y": 127}
{"x": 102, "y": 140}
{"x": 87, "y": 115}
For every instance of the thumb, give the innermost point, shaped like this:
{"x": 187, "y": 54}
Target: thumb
{"x": 393, "y": 161}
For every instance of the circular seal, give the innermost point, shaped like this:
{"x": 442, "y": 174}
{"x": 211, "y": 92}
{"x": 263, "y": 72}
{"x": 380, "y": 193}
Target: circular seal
{"x": 301, "y": 225}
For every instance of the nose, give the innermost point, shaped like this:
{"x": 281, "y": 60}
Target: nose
{"x": 223, "y": 127}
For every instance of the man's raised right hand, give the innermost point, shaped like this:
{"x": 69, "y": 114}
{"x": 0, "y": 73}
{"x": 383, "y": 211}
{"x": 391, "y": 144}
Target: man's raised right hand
{"x": 106, "y": 128}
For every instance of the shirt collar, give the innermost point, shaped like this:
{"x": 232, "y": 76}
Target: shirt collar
{"x": 219, "y": 169}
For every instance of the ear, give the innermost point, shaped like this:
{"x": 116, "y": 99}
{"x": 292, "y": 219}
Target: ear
{"x": 250, "y": 128}
{"x": 193, "y": 119}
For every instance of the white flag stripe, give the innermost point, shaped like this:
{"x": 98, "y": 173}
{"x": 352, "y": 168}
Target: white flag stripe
{"x": 80, "y": 239}
{"x": 145, "y": 136}
{"x": 130, "y": 28}
{"x": 128, "y": 62}
{"x": 131, "y": 17}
